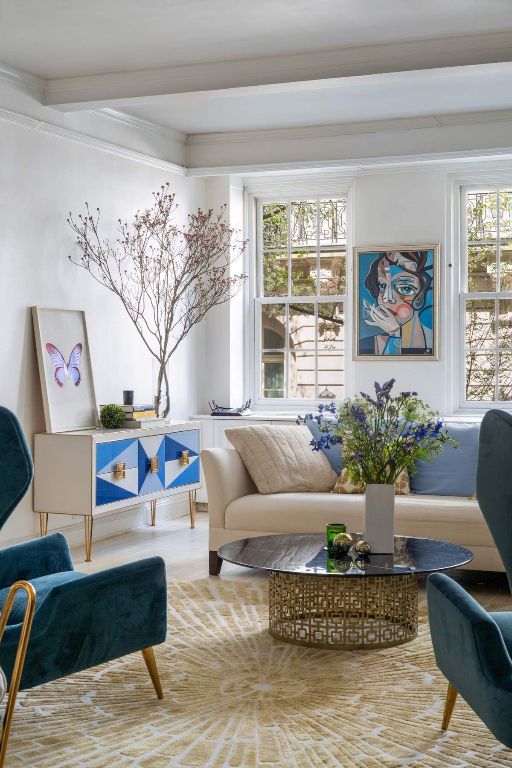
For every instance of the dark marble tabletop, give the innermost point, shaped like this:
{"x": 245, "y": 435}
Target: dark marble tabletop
{"x": 305, "y": 553}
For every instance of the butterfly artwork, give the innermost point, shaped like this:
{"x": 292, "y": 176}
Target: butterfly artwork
{"x": 63, "y": 370}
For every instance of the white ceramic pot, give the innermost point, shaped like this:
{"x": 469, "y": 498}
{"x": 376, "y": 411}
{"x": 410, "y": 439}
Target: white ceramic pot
{"x": 379, "y": 522}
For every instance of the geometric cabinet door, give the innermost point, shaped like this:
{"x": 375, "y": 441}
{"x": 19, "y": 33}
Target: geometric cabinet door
{"x": 176, "y": 465}
{"x": 177, "y": 446}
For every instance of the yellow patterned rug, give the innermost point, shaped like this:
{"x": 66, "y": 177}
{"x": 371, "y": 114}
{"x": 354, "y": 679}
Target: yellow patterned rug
{"x": 236, "y": 698}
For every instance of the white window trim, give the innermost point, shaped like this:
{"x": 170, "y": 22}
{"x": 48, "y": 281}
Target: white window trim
{"x": 474, "y": 407}
{"x": 251, "y": 367}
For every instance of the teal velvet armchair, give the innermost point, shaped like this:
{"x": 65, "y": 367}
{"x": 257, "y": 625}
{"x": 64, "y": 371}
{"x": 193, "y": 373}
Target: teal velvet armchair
{"x": 473, "y": 648}
{"x": 80, "y": 620}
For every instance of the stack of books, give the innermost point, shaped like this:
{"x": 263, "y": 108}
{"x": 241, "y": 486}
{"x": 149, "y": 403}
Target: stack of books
{"x": 140, "y": 416}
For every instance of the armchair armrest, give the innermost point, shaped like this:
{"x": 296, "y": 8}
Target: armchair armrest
{"x": 227, "y": 479}
{"x": 35, "y": 558}
{"x": 93, "y": 619}
{"x": 468, "y": 644}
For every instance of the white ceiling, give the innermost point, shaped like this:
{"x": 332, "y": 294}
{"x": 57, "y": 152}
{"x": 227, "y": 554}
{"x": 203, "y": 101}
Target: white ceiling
{"x": 203, "y": 66}
{"x": 63, "y": 38}
{"x": 344, "y": 100}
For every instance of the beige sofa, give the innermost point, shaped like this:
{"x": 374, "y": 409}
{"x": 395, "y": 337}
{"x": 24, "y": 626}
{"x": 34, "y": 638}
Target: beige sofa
{"x": 236, "y": 511}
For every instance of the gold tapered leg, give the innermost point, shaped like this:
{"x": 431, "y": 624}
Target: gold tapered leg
{"x": 451, "y": 697}
{"x": 88, "y": 519}
{"x": 149, "y": 658}
{"x": 21, "y": 653}
{"x": 152, "y": 507}
{"x": 43, "y": 523}
{"x": 192, "y": 508}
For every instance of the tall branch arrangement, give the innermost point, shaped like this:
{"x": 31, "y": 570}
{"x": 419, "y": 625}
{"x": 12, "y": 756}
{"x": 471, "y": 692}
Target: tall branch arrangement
{"x": 166, "y": 276}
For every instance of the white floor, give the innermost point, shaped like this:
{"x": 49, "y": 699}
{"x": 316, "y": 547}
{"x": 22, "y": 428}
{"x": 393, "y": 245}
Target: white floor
{"x": 185, "y": 551}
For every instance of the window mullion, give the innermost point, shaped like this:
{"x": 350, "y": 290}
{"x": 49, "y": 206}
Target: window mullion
{"x": 497, "y": 301}
{"x": 289, "y": 246}
{"x": 496, "y": 352}
{"x": 498, "y": 249}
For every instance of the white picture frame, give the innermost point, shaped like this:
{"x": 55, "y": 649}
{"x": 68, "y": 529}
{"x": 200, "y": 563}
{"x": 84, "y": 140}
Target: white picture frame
{"x": 65, "y": 369}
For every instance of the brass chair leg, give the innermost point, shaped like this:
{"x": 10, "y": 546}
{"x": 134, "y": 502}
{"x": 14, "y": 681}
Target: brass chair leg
{"x": 43, "y": 523}
{"x": 21, "y": 653}
{"x": 192, "y": 507}
{"x": 451, "y": 697}
{"x": 88, "y": 520}
{"x": 149, "y": 658}
{"x": 152, "y": 507}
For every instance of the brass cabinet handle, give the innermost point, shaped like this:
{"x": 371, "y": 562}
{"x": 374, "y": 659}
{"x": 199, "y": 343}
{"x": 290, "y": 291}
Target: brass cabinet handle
{"x": 154, "y": 464}
{"x": 120, "y": 470}
{"x": 185, "y": 458}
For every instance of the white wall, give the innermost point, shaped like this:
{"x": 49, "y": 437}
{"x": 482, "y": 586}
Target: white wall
{"x": 42, "y": 177}
{"x": 406, "y": 208}
{"x": 222, "y": 378}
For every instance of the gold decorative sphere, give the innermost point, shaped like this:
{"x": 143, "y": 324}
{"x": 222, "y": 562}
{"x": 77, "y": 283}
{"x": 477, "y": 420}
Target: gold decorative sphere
{"x": 342, "y": 564}
{"x": 363, "y": 548}
{"x": 341, "y": 544}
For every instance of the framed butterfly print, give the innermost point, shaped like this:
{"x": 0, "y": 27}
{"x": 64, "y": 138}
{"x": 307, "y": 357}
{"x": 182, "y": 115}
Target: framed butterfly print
{"x": 65, "y": 369}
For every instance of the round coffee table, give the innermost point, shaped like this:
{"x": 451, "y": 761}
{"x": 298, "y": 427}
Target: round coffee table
{"x": 349, "y": 602}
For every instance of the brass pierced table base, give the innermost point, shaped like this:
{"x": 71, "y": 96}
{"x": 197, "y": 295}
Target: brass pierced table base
{"x": 343, "y": 612}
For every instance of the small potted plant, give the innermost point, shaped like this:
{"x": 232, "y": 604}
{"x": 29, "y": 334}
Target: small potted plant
{"x": 112, "y": 416}
{"x": 380, "y": 436}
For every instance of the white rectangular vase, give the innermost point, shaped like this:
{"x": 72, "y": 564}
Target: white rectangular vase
{"x": 379, "y": 517}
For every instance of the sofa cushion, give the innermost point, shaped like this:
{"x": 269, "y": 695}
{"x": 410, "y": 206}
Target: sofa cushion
{"x": 454, "y": 472}
{"x": 437, "y": 517}
{"x": 333, "y": 454}
{"x": 280, "y": 459}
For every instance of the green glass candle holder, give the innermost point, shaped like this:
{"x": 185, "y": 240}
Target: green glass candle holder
{"x": 332, "y": 530}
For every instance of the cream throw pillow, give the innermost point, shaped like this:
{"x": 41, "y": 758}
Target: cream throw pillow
{"x": 343, "y": 484}
{"x": 281, "y": 459}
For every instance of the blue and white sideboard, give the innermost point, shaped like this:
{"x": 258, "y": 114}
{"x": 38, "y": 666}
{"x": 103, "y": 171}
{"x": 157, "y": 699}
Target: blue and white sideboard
{"x": 93, "y": 471}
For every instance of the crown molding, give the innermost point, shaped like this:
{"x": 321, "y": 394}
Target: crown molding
{"x": 138, "y": 123}
{"x": 452, "y": 162}
{"x": 23, "y": 81}
{"x": 349, "y": 129}
{"x": 51, "y": 129}
{"x": 277, "y": 72}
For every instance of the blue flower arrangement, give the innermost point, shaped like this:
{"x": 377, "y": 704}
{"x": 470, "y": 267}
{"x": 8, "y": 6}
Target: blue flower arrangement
{"x": 380, "y": 436}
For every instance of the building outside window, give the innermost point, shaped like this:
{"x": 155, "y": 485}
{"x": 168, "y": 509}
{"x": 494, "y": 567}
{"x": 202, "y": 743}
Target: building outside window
{"x": 486, "y": 296}
{"x": 300, "y": 299}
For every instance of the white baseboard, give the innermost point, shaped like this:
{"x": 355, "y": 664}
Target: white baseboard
{"x": 113, "y": 523}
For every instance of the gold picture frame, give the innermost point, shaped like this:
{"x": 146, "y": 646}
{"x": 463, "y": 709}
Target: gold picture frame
{"x": 396, "y": 290}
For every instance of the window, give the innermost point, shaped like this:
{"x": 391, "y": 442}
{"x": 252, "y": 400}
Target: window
{"x": 300, "y": 297}
{"x": 487, "y": 295}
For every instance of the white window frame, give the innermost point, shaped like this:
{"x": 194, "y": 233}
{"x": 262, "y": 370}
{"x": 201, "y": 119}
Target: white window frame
{"x": 255, "y": 299}
{"x": 464, "y": 295}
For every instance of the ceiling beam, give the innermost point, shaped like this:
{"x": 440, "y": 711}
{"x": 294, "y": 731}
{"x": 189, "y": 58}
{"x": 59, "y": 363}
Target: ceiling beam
{"x": 276, "y": 72}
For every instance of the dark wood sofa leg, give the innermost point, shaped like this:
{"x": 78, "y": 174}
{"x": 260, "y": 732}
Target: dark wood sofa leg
{"x": 215, "y": 563}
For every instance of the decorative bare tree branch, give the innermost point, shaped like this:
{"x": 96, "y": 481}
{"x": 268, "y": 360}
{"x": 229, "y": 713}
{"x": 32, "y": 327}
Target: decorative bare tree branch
{"x": 166, "y": 276}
